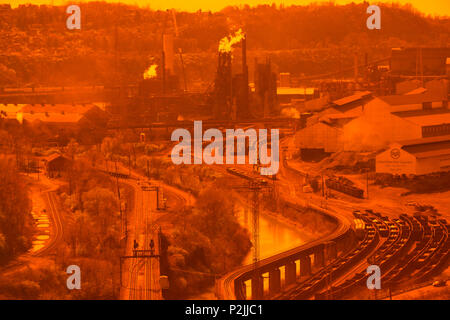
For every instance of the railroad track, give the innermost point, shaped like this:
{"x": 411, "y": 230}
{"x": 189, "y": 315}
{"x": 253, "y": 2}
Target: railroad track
{"x": 441, "y": 257}
{"x": 57, "y": 226}
{"x": 225, "y": 287}
{"x": 54, "y": 240}
{"x": 415, "y": 249}
{"x": 398, "y": 239}
{"x": 335, "y": 269}
{"x": 399, "y": 246}
{"x": 143, "y": 284}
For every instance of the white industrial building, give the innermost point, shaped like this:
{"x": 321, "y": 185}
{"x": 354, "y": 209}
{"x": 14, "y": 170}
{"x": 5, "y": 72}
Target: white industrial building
{"x": 416, "y": 157}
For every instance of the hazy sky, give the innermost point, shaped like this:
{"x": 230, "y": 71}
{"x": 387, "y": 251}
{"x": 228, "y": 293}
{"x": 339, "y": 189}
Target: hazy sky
{"x": 435, "y": 7}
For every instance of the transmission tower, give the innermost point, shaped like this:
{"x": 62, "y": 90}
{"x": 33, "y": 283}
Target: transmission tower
{"x": 256, "y": 185}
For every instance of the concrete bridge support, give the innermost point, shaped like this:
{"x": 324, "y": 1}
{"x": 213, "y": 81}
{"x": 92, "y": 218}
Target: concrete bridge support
{"x": 257, "y": 287}
{"x": 274, "y": 281}
{"x": 241, "y": 290}
{"x": 319, "y": 257}
{"x": 305, "y": 266}
{"x": 291, "y": 273}
{"x": 331, "y": 250}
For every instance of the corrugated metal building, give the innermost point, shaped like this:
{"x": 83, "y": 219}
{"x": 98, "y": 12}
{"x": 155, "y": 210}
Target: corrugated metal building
{"x": 376, "y": 123}
{"x": 416, "y": 157}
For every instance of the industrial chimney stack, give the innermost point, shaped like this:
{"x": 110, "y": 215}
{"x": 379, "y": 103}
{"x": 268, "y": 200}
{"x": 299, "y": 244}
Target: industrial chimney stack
{"x": 245, "y": 102}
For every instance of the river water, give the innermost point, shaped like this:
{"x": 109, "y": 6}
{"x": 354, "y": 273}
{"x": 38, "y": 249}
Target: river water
{"x": 274, "y": 236}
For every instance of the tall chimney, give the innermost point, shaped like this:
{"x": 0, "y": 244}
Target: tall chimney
{"x": 245, "y": 76}
{"x": 168, "y": 52}
{"x": 163, "y": 67}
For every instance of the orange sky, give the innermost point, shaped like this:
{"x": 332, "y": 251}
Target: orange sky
{"x": 435, "y": 7}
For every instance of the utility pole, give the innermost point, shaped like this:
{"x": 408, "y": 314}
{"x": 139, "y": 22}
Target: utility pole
{"x": 118, "y": 197}
{"x": 367, "y": 183}
{"x": 129, "y": 163}
{"x": 255, "y": 217}
{"x": 182, "y": 69}
{"x": 323, "y": 187}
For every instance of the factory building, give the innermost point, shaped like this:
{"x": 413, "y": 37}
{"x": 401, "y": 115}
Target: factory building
{"x": 56, "y": 164}
{"x": 375, "y": 124}
{"x": 419, "y": 61}
{"x": 395, "y": 118}
{"x": 84, "y": 121}
{"x": 266, "y": 88}
{"x": 351, "y": 103}
{"x": 324, "y": 131}
{"x": 418, "y": 101}
{"x": 287, "y": 95}
{"x": 60, "y": 115}
{"x": 319, "y": 138}
{"x": 416, "y": 157}
{"x": 347, "y": 107}
{"x": 285, "y": 80}
{"x": 415, "y": 86}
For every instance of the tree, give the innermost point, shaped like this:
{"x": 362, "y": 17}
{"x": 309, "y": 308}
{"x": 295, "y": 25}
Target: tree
{"x": 15, "y": 207}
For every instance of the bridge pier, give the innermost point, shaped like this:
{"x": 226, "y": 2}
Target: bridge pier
{"x": 290, "y": 272}
{"x": 331, "y": 250}
{"x": 319, "y": 257}
{"x": 274, "y": 281}
{"x": 240, "y": 290}
{"x": 305, "y": 266}
{"x": 257, "y": 287}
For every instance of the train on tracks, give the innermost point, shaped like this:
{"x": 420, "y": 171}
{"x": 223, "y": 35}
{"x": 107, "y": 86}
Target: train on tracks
{"x": 409, "y": 250}
{"x": 343, "y": 185}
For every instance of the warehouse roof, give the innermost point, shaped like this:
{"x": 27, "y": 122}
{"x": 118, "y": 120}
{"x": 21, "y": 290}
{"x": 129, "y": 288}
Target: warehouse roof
{"x": 295, "y": 91}
{"x": 339, "y": 116}
{"x": 430, "y": 119}
{"x": 353, "y": 98}
{"x": 433, "y": 153}
{"x": 419, "y": 90}
{"x": 57, "y": 108}
{"x": 10, "y": 110}
{"x": 53, "y": 156}
{"x": 421, "y": 141}
{"x": 50, "y": 117}
{"x": 427, "y": 147}
{"x": 399, "y": 100}
{"x": 420, "y": 112}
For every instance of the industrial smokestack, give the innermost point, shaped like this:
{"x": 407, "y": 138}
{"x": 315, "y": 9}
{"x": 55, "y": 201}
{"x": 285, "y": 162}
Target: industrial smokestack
{"x": 244, "y": 54}
{"x": 245, "y": 75}
{"x": 163, "y": 67}
{"x": 168, "y": 52}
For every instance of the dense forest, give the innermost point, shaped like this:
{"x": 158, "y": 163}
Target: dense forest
{"x": 117, "y": 42}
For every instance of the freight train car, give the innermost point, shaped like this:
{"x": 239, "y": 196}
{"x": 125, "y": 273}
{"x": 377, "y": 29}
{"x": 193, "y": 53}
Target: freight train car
{"x": 343, "y": 186}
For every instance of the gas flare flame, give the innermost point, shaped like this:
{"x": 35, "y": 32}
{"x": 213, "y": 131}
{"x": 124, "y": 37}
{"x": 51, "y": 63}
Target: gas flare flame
{"x": 226, "y": 44}
{"x": 150, "y": 72}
